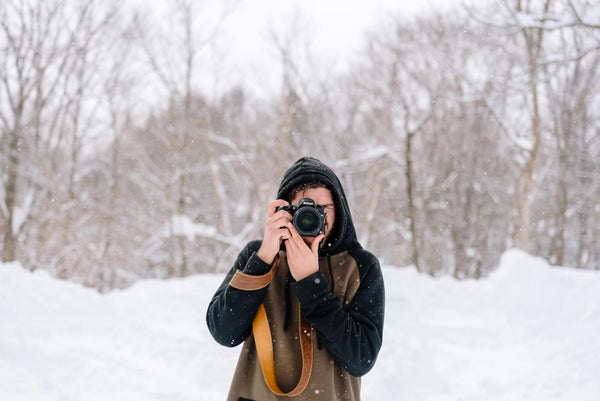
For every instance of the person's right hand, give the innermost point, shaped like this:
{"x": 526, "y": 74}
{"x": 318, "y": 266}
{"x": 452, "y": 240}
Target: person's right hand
{"x": 276, "y": 231}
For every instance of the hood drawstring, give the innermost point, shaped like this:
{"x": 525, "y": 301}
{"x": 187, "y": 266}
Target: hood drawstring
{"x": 331, "y": 273}
{"x": 319, "y": 342}
{"x": 288, "y": 304}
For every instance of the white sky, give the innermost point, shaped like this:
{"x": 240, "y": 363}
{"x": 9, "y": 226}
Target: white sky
{"x": 245, "y": 54}
{"x": 336, "y": 28}
{"x": 338, "y": 23}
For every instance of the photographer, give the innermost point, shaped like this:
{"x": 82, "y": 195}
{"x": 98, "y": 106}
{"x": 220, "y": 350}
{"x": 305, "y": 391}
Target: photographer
{"x": 309, "y": 307}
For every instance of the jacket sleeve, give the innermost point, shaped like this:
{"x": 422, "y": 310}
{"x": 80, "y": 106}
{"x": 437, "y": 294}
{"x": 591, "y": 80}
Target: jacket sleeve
{"x": 353, "y": 336}
{"x": 231, "y": 311}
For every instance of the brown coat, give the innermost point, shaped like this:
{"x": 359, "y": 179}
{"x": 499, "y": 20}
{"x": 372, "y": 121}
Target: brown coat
{"x": 329, "y": 381}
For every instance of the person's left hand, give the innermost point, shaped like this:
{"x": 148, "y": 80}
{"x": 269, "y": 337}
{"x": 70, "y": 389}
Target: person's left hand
{"x": 302, "y": 258}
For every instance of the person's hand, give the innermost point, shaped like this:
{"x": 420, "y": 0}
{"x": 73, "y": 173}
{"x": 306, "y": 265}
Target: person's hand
{"x": 302, "y": 258}
{"x": 276, "y": 231}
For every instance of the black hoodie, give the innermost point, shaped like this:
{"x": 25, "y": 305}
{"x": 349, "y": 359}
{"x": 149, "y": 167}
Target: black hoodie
{"x": 308, "y": 169}
{"x": 343, "y": 301}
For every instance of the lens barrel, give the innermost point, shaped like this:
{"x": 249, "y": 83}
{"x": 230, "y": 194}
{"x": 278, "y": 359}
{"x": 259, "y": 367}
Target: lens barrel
{"x": 308, "y": 221}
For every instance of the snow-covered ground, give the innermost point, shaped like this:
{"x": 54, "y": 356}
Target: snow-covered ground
{"x": 528, "y": 332}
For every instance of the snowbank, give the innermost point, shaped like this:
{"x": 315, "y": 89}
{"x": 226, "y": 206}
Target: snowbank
{"x": 529, "y": 331}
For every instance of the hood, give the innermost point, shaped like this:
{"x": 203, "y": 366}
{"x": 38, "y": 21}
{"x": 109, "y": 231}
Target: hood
{"x": 306, "y": 169}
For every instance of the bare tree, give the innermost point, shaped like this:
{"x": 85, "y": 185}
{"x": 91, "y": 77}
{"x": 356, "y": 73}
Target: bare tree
{"x": 173, "y": 53}
{"x": 535, "y": 27}
{"x": 44, "y": 66}
{"x": 456, "y": 136}
{"x": 570, "y": 93}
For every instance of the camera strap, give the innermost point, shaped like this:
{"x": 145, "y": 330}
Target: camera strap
{"x": 264, "y": 341}
{"x": 249, "y": 282}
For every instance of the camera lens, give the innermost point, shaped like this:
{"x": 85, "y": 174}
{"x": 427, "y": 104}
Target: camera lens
{"x": 307, "y": 221}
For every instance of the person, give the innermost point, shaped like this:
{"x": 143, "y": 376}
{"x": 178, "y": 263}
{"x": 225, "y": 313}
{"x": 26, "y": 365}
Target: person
{"x": 322, "y": 299}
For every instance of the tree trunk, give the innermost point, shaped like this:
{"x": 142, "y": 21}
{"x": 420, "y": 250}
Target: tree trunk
{"x": 533, "y": 41}
{"x": 410, "y": 199}
{"x": 9, "y": 246}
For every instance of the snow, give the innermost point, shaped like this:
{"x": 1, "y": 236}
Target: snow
{"x": 529, "y": 331}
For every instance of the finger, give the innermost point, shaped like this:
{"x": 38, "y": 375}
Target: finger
{"x": 290, "y": 245}
{"x": 284, "y": 233}
{"x": 278, "y": 221}
{"x": 274, "y": 204}
{"x": 278, "y": 231}
{"x": 295, "y": 234}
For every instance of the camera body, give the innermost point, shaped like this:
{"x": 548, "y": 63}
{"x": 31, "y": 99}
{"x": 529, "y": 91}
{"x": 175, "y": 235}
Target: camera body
{"x": 308, "y": 218}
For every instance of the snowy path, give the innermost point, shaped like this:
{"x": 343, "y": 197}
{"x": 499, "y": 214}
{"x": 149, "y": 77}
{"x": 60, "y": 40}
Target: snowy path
{"x": 529, "y": 332}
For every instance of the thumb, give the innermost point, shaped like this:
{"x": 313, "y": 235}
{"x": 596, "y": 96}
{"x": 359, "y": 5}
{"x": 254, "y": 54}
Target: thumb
{"x": 316, "y": 243}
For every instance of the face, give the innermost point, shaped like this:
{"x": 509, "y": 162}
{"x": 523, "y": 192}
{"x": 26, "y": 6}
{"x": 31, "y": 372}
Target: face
{"x": 322, "y": 197}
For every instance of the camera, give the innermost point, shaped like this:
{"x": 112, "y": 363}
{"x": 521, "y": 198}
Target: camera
{"x": 309, "y": 219}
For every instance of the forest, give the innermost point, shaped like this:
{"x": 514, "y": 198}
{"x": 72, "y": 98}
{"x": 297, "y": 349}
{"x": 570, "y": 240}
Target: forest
{"x": 457, "y": 136}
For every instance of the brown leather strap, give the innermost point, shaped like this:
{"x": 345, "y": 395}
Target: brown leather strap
{"x": 263, "y": 338}
{"x": 249, "y": 282}
{"x": 264, "y": 348}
